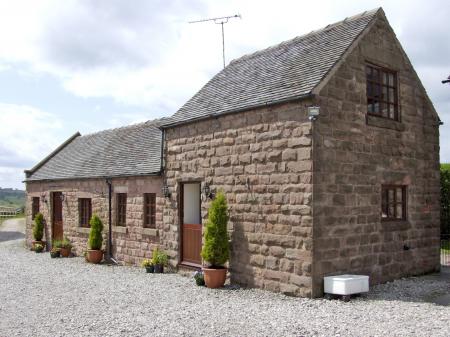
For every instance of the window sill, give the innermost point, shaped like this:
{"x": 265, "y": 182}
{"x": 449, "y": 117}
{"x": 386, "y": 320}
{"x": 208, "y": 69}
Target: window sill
{"x": 394, "y": 225}
{"x": 83, "y": 230}
{"x": 119, "y": 229}
{"x": 384, "y": 123}
{"x": 149, "y": 231}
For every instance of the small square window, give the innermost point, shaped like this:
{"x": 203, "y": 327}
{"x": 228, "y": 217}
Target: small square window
{"x": 382, "y": 100}
{"x": 393, "y": 202}
{"x": 34, "y": 207}
{"x": 121, "y": 209}
{"x": 149, "y": 210}
{"x": 85, "y": 211}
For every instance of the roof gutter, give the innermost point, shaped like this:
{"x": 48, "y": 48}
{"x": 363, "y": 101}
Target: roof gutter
{"x": 28, "y": 173}
{"x": 152, "y": 174}
{"x": 229, "y": 112}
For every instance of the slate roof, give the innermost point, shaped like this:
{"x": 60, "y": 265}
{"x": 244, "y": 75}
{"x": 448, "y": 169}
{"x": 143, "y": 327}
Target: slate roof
{"x": 289, "y": 70}
{"x": 286, "y": 71}
{"x": 127, "y": 151}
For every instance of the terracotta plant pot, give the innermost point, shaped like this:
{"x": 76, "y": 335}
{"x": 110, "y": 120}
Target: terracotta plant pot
{"x": 94, "y": 256}
{"x": 215, "y": 278}
{"x": 65, "y": 252}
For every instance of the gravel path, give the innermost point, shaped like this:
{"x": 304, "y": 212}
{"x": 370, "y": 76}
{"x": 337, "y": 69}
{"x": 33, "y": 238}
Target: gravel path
{"x": 40, "y": 296}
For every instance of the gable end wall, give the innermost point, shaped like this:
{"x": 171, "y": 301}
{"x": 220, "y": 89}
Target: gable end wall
{"x": 353, "y": 159}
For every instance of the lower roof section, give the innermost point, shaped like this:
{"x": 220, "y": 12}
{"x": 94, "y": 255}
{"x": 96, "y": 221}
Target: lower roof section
{"x": 133, "y": 150}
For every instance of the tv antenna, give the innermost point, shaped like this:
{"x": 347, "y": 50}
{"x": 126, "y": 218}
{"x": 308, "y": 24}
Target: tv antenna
{"x": 220, "y": 21}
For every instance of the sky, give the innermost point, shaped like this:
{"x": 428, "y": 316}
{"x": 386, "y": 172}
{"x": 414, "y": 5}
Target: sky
{"x": 89, "y": 65}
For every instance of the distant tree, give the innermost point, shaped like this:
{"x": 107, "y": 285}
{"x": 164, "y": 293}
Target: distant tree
{"x": 445, "y": 200}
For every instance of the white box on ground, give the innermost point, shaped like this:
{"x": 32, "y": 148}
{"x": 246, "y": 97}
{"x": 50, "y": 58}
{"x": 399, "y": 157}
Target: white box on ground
{"x": 346, "y": 284}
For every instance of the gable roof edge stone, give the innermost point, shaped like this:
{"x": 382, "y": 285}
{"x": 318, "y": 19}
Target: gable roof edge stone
{"x": 319, "y": 86}
{"x": 29, "y": 172}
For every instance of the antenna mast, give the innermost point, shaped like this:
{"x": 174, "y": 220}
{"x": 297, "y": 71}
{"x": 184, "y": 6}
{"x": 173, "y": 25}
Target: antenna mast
{"x": 220, "y": 21}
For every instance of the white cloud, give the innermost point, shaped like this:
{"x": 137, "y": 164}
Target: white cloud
{"x": 146, "y": 57}
{"x": 118, "y": 120}
{"x": 27, "y": 134}
{"x": 136, "y": 54}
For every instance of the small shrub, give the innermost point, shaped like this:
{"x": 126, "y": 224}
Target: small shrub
{"x": 38, "y": 228}
{"x": 38, "y": 248}
{"x": 66, "y": 244}
{"x": 199, "y": 278}
{"x": 95, "y": 234}
{"x": 55, "y": 252}
{"x": 57, "y": 244}
{"x": 216, "y": 250}
{"x": 147, "y": 263}
{"x": 159, "y": 257}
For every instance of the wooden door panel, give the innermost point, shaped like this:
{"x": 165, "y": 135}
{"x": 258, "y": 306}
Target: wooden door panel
{"x": 192, "y": 243}
{"x": 191, "y": 233}
{"x": 57, "y": 217}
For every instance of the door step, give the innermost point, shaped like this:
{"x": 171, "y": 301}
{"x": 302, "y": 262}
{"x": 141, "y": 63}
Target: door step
{"x": 186, "y": 270}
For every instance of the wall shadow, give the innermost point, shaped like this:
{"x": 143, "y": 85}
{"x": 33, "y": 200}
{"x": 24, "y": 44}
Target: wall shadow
{"x": 241, "y": 272}
{"x": 11, "y": 235}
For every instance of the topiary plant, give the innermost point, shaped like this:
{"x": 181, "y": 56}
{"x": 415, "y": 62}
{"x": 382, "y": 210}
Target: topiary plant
{"x": 38, "y": 229}
{"x": 216, "y": 250}
{"x": 95, "y": 234}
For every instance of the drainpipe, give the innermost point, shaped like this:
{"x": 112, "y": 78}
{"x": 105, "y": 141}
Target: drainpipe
{"x": 162, "y": 151}
{"x": 109, "y": 256}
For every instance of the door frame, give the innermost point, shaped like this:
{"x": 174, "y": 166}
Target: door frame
{"x": 181, "y": 220}
{"x": 52, "y": 203}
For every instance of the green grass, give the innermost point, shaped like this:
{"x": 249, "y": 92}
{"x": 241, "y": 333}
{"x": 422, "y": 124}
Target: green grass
{"x": 445, "y": 246}
{"x": 12, "y": 201}
{"x": 12, "y": 198}
{"x": 445, "y": 166}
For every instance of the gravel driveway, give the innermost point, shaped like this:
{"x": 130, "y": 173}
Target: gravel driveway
{"x": 40, "y": 296}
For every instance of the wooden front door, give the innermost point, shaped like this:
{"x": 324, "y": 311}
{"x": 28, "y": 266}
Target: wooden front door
{"x": 191, "y": 223}
{"x": 57, "y": 218}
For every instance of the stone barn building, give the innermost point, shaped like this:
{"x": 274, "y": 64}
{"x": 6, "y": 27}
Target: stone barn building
{"x": 326, "y": 146}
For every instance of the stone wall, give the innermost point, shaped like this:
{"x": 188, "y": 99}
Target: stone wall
{"x": 261, "y": 159}
{"x": 355, "y": 155}
{"x": 131, "y": 243}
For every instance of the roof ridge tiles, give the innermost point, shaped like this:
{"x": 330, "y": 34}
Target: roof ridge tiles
{"x": 313, "y": 32}
{"x": 152, "y": 122}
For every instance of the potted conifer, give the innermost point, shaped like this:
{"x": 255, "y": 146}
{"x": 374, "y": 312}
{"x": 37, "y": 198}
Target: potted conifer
{"x": 95, "y": 253}
{"x": 216, "y": 250}
{"x": 38, "y": 230}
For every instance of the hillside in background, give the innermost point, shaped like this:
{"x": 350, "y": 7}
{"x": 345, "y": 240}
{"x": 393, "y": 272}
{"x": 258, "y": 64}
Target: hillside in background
{"x": 12, "y": 197}
{"x": 445, "y": 167}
